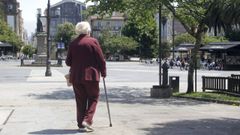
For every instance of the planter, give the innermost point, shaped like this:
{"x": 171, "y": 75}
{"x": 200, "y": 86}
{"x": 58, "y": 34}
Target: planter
{"x": 161, "y": 92}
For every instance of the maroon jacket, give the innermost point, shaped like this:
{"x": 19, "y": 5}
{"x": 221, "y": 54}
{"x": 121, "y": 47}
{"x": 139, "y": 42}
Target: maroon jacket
{"x": 85, "y": 59}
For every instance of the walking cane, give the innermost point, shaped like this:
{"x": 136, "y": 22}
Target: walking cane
{"x": 105, "y": 89}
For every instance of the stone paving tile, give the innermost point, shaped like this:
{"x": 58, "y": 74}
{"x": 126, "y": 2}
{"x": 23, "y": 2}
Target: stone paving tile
{"x": 43, "y": 107}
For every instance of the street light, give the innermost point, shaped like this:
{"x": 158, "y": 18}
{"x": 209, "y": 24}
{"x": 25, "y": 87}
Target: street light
{"x": 173, "y": 37}
{"x": 162, "y": 90}
{"x": 162, "y": 20}
{"x": 48, "y": 69}
{"x": 160, "y": 44}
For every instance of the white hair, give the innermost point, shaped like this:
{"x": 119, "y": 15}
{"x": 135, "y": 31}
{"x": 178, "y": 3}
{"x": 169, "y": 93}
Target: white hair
{"x": 83, "y": 28}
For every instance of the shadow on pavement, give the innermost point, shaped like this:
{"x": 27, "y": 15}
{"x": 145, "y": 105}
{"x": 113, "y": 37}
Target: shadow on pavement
{"x": 224, "y": 126}
{"x": 122, "y": 95}
{"x": 55, "y": 132}
{"x": 60, "y": 94}
{"x": 130, "y": 95}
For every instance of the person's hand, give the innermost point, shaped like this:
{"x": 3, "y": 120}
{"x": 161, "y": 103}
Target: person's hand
{"x": 103, "y": 75}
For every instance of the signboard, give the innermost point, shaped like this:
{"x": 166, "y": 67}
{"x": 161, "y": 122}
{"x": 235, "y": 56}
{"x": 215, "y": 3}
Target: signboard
{"x": 60, "y": 45}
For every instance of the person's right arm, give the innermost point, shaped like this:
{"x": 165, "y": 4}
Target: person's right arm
{"x": 69, "y": 56}
{"x": 100, "y": 59}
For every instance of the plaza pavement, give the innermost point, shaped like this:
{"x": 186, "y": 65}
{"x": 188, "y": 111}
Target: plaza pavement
{"x": 45, "y": 105}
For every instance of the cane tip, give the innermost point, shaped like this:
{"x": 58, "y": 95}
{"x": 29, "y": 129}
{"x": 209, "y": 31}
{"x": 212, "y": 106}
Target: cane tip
{"x": 110, "y": 125}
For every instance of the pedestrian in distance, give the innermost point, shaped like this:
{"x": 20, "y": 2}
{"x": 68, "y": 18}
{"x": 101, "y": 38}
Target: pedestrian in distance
{"x": 171, "y": 63}
{"x": 87, "y": 64}
{"x": 182, "y": 66}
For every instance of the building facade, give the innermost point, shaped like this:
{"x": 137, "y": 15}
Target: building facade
{"x": 113, "y": 24}
{"x": 13, "y": 16}
{"x": 168, "y": 26}
{"x": 66, "y": 11}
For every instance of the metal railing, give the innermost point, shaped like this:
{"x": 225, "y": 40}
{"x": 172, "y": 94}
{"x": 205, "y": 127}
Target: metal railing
{"x": 235, "y": 76}
{"x": 222, "y": 84}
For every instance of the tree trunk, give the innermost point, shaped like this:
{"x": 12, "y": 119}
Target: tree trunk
{"x": 190, "y": 76}
{"x": 193, "y": 60}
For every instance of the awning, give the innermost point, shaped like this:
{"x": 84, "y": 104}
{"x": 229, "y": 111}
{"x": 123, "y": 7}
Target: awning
{"x": 5, "y": 44}
{"x": 185, "y": 47}
{"x": 220, "y": 46}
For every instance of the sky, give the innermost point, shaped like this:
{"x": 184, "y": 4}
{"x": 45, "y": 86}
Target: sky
{"x": 29, "y": 12}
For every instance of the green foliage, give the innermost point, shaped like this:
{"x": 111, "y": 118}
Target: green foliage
{"x": 187, "y": 38}
{"x": 223, "y": 14}
{"x": 184, "y": 38}
{"x": 165, "y": 50}
{"x": 197, "y": 16}
{"x": 145, "y": 36}
{"x": 1, "y": 10}
{"x": 7, "y": 35}
{"x": 117, "y": 44}
{"x": 209, "y": 39}
{"x": 141, "y": 24}
{"x": 65, "y": 33}
{"x": 210, "y": 96}
{"x": 91, "y": 10}
{"x": 28, "y": 50}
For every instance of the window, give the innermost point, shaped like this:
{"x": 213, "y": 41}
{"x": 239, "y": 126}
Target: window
{"x": 99, "y": 25}
{"x": 10, "y": 7}
{"x": 57, "y": 11}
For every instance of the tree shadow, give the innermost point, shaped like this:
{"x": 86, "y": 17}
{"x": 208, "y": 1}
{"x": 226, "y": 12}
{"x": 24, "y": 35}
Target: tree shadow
{"x": 123, "y": 95}
{"x": 60, "y": 94}
{"x": 131, "y": 95}
{"x": 55, "y": 132}
{"x": 224, "y": 126}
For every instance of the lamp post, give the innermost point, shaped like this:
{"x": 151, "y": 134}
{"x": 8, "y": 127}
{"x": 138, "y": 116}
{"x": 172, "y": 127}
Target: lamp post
{"x": 162, "y": 20}
{"x": 48, "y": 69}
{"x": 162, "y": 90}
{"x": 160, "y": 44}
{"x": 173, "y": 38}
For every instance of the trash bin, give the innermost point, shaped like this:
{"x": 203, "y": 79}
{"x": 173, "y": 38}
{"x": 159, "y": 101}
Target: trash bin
{"x": 174, "y": 83}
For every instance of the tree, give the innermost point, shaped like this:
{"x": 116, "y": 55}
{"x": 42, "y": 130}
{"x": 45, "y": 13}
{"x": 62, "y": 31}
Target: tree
{"x": 65, "y": 33}
{"x": 224, "y": 15}
{"x": 28, "y": 50}
{"x": 187, "y": 38}
{"x": 233, "y": 35}
{"x": 210, "y": 39}
{"x": 7, "y": 35}
{"x": 198, "y": 17}
{"x": 117, "y": 44}
{"x": 195, "y": 15}
{"x": 142, "y": 24}
{"x": 184, "y": 38}
{"x": 1, "y": 10}
{"x": 165, "y": 50}
{"x": 146, "y": 37}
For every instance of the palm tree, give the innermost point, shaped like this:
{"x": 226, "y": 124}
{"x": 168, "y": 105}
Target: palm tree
{"x": 223, "y": 15}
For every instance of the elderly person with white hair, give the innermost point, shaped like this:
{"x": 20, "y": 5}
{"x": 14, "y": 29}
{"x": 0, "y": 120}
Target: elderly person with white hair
{"x": 87, "y": 64}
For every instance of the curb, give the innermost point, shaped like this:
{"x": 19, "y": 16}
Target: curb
{"x": 211, "y": 100}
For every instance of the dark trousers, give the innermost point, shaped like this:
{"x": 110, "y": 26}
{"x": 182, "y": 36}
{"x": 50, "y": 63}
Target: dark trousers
{"x": 86, "y": 95}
